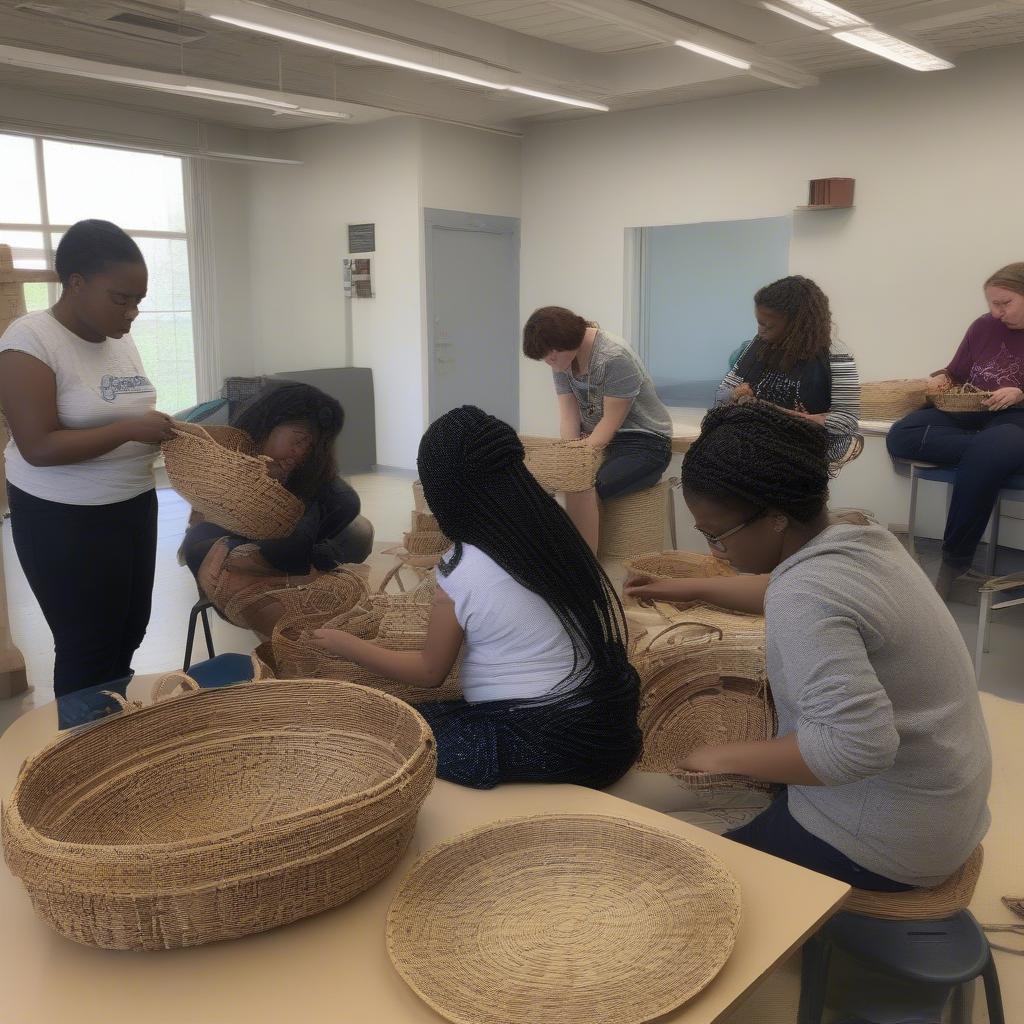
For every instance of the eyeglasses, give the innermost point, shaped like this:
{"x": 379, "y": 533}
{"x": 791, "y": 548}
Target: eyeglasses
{"x": 124, "y": 299}
{"x": 715, "y": 543}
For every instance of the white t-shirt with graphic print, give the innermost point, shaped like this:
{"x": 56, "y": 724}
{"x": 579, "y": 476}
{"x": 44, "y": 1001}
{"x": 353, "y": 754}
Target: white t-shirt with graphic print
{"x": 97, "y": 384}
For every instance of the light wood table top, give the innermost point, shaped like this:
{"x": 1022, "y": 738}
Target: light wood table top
{"x": 334, "y": 967}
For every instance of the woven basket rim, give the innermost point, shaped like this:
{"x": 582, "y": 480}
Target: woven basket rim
{"x": 730, "y": 891}
{"x": 113, "y": 851}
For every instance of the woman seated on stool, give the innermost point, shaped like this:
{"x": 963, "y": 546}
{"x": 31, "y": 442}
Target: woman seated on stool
{"x": 296, "y": 425}
{"x": 881, "y": 741}
{"x": 794, "y": 363}
{"x": 550, "y": 695}
{"x": 606, "y": 396}
{"x": 986, "y": 447}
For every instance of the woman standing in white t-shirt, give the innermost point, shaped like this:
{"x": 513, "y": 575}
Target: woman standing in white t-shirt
{"x": 80, "y": 461}
{"x": 549, "y": 694}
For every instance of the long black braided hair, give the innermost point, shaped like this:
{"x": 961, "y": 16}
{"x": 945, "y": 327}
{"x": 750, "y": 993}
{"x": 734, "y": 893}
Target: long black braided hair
{"x": 755, "y": 454}
{"x": 300, "y": 404}
{"x": 808, "y": 322}
{"x": 476, "y": 484}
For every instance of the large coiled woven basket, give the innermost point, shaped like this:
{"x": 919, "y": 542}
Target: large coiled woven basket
{"x": 218, "y": 814}
{"x": 217, "y": 472}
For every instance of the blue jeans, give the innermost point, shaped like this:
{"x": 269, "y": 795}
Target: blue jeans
{"x": 777, "y": 832}
{"x": 633, "y": 461}
{"x": 986, "y": 448}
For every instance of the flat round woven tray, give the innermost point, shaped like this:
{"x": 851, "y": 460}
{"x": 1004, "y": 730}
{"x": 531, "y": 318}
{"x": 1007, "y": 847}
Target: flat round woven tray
{"x": 562, "y": 919}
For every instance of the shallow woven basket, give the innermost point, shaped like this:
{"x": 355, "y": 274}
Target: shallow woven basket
{"x": 634, "y": 523}
{"x": 967, "y": 398}
{"x": 228, "y": 486}
{"x": 562, "y": 919}
{"x": 219, "y": 814}
{"x": 426, "y": 542}
{"x": 674, "y": 565}
{"x": 932, "y": 904}
{"x": 892, "y": 399}
{"x": 702, "y": 682}
{"x": 568, "y": 466}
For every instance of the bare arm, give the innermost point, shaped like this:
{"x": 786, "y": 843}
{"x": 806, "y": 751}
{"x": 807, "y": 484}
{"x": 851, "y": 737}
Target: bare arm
{"x": 777, "y": 760}
{"x": 740, "y": 593}
{"x": 28, "y": 395}
{"x": 568, "y": 418}
{"x": 427, "y": 668}
{"x": 615, "y": 412}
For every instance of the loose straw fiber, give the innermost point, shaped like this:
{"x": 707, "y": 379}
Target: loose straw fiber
{"x": 634, "y": 523}
{"x": 562, "y": 919}
{"x": 962, "y": 399}
{"x": 218, "y": 814}
{"x": 569, "y": 466}
{"x": 230, "y": 487}
{"x": 892, "y": 399}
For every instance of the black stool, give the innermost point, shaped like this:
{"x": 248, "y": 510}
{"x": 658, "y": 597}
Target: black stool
{"x": 948, "y": 953}
{"x": 199, "y": 610}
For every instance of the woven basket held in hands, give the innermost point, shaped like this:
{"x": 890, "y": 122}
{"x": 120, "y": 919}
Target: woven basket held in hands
{"x": 569, "y": 466}
{"x": 892, "y": 399}
{"x": 634, "y": 523}
{"x": 967, "y": 398}
{"x": 562, "y": 919}
{"x": 675, "y": 565}
{"x": 702, "y": 682}
{"x": 218, "y": 814}
{"x": 228, "y": 486}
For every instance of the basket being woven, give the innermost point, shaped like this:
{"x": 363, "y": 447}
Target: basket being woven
{"x": 568, "y": 466}
{"x": 218, "y": 814}
{"x": 892, "y": 399}
{"x": 634, "y": 523}
{"x": 702, "y": 682}
{"x": 562, "y": 919}
{"x": 967, "y": 398}
{"x": 229, "y": 486}
{"x": 674, "y": 565}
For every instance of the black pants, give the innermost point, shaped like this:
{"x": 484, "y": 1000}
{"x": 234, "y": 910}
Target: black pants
{"x": 777, "y": 832}
{"x": 633, "y": 461}
{"x": 91, "y": 570}
{"x": 986, "y": 448}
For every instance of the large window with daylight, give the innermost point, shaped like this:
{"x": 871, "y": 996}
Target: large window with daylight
{"x": 48, "y": 186}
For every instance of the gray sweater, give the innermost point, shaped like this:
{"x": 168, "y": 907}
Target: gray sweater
{"x": 869, "y": 669}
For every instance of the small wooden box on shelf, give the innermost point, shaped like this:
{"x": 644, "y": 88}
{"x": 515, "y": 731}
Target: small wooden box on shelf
{"x": 829, "y": 194}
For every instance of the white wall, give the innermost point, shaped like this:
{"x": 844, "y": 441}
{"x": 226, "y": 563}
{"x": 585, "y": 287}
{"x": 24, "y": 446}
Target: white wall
{"x": 934, "y": 156}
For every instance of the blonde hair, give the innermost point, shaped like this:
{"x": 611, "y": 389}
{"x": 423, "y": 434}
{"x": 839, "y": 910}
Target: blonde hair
{"x": 1011, "y": 276}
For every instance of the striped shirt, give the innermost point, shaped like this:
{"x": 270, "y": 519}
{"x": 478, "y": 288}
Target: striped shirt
{"x": 841, "y": 406}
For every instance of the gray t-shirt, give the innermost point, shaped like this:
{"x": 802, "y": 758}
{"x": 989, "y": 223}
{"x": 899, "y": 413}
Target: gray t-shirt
{"x": 869, "y": 669}
{"x": 615, "y": 371}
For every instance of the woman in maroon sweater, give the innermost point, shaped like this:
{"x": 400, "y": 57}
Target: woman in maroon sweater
{"x": 986, "y": 447}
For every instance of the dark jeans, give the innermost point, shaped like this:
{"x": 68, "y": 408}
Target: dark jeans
{"x": 777, "y": 832}
{"x": 91, "y": 570}
{"x": 633, "y": 461}
{"x": 986, "y": 448}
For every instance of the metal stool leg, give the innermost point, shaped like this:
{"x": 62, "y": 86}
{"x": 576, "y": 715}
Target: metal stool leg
{"x": 190, "y": 637}
{"x": 672, "y": 527}
{"x": 814, "y": 962}
{"x": 993, "y": 539}
{"x": 205, "y": 613}
{"x": 993, "y": 996}
{"x": 984, "y": 623}
{"x": 912, "y": 514}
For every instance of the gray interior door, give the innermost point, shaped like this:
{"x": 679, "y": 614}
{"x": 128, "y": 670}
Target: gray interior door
{"x": 472, "y": 267}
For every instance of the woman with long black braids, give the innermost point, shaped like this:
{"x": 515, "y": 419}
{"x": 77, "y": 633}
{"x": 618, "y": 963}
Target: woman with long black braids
{"x": 881, "y": 741}
{"x": 549, "y": 693}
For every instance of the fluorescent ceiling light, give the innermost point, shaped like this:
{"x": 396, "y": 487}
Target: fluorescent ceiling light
{"x": 706, "y": 51}
{"x": 298, "y": 29}
{"x": 585, "y": 104}
{"x": 884, "y": 45}
{"x": 793, "y": 16}
{"x": 830, "y": 15}
{"x": 205, "y": 89}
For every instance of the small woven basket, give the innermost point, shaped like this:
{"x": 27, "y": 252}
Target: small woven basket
{"x": 702, "y": 681}
{"x": 634, "y": 523}
{"x": 562, "y": 919}
{"x": 424, "y": 521}
{"x": 569, "y": 466}
{"x": 967, "y": 398}
{"x": 426, "y": 542}
{"x": 228, "y": 485}
{"x": 676, "y": 565}
{"x": 219, "y": 814}
{"x": 892, "y": 399}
